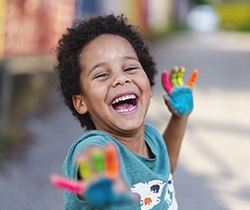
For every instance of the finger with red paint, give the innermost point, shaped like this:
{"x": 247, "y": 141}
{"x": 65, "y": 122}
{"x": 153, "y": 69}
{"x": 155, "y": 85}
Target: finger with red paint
{"x": 165, "y": 82}
{"x": 67, "y": 184}
{"x": 193, "y": 78}
{"x": 111, "y": 162}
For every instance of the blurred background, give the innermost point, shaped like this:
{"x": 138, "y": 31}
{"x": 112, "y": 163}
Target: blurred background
{"x": 36, "y": 129}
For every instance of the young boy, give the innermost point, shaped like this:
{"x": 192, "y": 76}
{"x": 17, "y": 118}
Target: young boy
{"x": 106, "y": 74}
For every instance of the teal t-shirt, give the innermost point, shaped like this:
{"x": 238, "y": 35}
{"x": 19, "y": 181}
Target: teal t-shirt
{"x": 150, "y": 178}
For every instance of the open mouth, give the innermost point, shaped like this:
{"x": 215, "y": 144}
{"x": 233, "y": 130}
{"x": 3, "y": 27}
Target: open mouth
{"x": 126, "y": 103}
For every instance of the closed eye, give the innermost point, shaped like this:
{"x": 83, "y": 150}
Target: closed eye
{"x": 130, "y": 68}
{"x": 101, "y": 75}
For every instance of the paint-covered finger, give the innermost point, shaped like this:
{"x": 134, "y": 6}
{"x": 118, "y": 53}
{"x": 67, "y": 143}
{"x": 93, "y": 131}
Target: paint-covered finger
{"x": 165, "y": 82}
{"x": 180, "y": 76}
{"x": 98, "y": 160}
{"x": 84, "y": 169}
{"x": 173, "y": 76}
{"x": 66, "y": 184}
{"x": 193, "y": 78}
{"x": 111, "y": 162}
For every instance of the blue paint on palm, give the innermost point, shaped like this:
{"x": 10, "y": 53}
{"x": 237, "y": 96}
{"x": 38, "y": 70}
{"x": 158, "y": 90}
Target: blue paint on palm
{"x": 181, "y": 99}
{"x": 101, "y": 194}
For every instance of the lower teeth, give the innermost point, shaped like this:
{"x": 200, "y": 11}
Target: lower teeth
{"x": 126, "y": 110}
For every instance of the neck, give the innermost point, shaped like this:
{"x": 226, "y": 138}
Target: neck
{"x": 135, "y": 143}
{"x": 136, "y": 146}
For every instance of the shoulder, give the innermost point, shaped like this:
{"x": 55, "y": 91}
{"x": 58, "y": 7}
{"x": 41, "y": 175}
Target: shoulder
{"x": 152, "y": 133}
{"x": 94, "y": 137}
{"x": 154, "y": 138}
{"x": 151, "y": 128}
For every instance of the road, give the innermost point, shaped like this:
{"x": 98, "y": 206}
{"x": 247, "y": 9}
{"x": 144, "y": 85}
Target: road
{"x": 213, "y": 171}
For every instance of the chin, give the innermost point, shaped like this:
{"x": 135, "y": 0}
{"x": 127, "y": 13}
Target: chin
{"x": 131, "y": 127}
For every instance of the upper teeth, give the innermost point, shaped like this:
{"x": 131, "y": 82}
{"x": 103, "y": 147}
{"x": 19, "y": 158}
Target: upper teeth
{"x": 123, "y": 98}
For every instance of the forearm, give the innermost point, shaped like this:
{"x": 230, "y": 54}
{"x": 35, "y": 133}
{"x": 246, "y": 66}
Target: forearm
{"x": 173, "y": 136}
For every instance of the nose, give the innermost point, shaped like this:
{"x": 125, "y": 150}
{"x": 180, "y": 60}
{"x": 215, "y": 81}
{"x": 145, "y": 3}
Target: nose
{"x": 121, "y": 79}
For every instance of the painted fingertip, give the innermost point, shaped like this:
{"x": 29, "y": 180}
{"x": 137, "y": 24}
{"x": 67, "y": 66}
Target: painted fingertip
{"x": 175, "y": 68}
{"x": 111, "y": 162}
{"x": 99, "y": 161}
{"x": 84, "y": 170}
{"x": 164, "y": 75}
{"x": 174, "y": 75}
{"x": 180, "y": 76}
{"x": 165, "y": 82}
{"x": 193, "y": 78}
{"x": 66, "y": 184}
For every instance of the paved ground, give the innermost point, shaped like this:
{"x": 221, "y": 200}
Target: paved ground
{"x": 213, "y": 171}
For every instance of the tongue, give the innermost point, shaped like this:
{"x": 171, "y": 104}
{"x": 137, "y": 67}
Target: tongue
{"x": 123, "y": 106}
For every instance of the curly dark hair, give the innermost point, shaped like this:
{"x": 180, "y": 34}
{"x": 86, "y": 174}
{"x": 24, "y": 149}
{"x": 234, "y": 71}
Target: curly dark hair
{"x": 77, "y": 37}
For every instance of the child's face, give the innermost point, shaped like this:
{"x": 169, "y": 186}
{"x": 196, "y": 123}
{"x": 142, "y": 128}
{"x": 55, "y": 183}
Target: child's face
{"x": 116, "y": 90}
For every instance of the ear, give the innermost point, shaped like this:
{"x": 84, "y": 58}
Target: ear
{"x": 79, "y": 104}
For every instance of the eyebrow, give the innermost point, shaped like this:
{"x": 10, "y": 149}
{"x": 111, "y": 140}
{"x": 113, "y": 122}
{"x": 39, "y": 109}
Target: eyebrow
{"x": 96, "y": 66}
{"x": 130, "y": 58}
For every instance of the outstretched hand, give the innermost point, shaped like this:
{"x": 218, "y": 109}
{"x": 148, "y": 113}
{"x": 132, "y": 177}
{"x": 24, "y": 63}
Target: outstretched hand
{"x": 100, "y": 180}
{"x": 179, "y": 98}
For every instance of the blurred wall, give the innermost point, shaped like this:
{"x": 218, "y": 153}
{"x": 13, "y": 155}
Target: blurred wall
{"x": 33, "y": 26}
{"x": 2, "y": 20}
{"x": 152, "y": 17}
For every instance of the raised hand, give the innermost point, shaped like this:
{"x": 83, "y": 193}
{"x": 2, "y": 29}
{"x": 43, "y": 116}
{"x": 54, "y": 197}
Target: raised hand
{"x": 100, "y": 181}
{"x": 179, "y": 97}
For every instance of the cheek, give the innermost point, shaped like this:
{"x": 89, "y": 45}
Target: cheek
{"x": 96, "y": 92}
{"x": 142, "y": 78}
{"x": 146, "y": 84}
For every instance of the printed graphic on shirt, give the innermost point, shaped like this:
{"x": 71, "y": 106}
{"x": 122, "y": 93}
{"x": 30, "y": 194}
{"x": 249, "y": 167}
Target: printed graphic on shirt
{"x": 170, "y": 194}
{"x": 152, "y": 192}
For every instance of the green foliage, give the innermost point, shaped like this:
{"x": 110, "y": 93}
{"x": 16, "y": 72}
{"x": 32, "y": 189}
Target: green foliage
{"x": 234, "y": 16}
